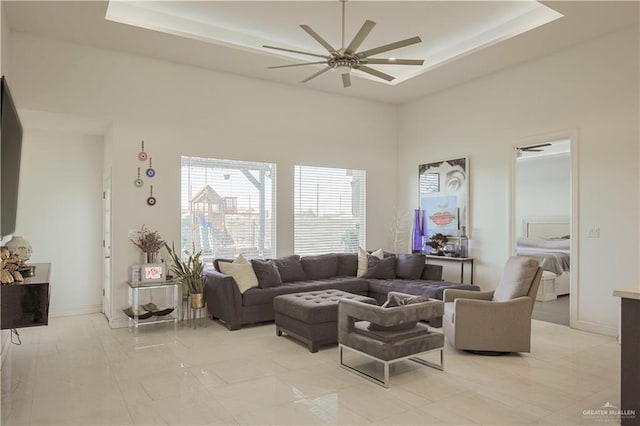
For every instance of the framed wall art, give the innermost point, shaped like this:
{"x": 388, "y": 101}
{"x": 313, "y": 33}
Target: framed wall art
{"x": 443, "y": 188}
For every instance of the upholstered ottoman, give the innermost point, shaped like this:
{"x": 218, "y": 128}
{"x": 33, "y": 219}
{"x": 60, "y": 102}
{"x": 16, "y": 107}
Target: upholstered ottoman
{"x": 312, "y": 316}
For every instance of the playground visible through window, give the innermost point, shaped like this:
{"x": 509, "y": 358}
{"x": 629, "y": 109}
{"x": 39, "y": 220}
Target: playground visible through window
{"x": 228, "y": 208}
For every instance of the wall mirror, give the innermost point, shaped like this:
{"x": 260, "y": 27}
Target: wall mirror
{"x": 444, "y": 197}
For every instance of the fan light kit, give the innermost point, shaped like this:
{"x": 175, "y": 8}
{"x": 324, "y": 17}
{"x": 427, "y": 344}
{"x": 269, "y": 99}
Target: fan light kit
{"x": 347, "y": 58}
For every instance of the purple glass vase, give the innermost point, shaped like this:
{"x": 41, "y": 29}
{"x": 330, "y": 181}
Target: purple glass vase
{"x": 416, "y": 240}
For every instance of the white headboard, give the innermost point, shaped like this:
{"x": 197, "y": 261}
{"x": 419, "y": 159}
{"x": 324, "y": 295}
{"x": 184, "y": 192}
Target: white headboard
{"x": 546, "y": 226}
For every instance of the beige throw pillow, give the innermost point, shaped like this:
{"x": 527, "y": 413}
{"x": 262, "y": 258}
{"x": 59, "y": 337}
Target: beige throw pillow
{"x": 241, "y": 271}
{"x": 363, "y": 260}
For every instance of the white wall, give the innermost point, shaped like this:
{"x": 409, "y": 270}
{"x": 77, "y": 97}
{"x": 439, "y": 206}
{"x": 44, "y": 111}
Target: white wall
{"x": 543, "y": 187}
{"x": 178, "y": 110}
{"x": 60, "y": 214}
{"x": 593, "y": 88}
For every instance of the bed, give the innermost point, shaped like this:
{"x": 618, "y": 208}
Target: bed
{"x": 547, "y": 239}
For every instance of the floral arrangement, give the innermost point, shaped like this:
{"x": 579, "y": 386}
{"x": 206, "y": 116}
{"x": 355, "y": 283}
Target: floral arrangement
{"x": 147, "y": 240}
{"x": 437, "y": 242}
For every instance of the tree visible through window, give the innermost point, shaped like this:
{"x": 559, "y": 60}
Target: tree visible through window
{"x": 228, "y": 207}
{"x": 330, "y": 210}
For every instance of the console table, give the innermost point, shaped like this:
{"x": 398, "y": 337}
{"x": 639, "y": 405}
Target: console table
{"x": 460, "y": 260}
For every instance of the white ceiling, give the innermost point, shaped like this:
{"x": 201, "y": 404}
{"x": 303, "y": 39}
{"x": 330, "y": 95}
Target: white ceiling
{"x": 461, "y": 40}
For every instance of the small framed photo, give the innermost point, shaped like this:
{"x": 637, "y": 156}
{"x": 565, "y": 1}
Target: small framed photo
{"x": 152, "y": 272}
{"x": 135, "y": 274}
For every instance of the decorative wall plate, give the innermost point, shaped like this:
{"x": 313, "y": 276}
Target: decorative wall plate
{"x": 138, "y": 182}
{"x": 151, "y": 200}
{"x": 142, "y": 156}
{"x": 150, "y": 171}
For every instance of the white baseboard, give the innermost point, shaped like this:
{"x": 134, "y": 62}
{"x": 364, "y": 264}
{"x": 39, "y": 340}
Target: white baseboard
{"x": 83, "y": 310}
{"x": 119, "y": 322}
{"x": 595, "y": 328}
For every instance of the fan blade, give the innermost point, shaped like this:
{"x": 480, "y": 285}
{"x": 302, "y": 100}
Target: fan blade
{"x": 319, "y": 39}
{"x": 316, "y": 74}
{"x": 296, "y": 51}
{"x": 387, "y": 47}
{"x": 346, "y": 80}
{"x": 373, "y": 61}
{"x": 375, "y": 73}
{"x": 359, "y": 38}
{"x": 530, "y": 148}
{"x": 297, "y": 65}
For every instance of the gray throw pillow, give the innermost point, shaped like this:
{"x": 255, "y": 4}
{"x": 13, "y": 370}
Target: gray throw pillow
{"x": 320, "y": 266}
{"x": 290, "y": 268}
{"x": 267, "y": 273}
{"x": 410, "y": 266}
{"x": 397, "y": 299}
{"x": 384, "y": 269}
{"x": 347, "y": 264}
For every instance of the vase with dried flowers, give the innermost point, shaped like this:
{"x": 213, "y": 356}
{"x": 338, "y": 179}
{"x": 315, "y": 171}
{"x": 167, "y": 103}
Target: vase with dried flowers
{"x": 149, "y": 242}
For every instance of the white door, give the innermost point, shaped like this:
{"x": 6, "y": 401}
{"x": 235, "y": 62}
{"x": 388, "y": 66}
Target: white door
{"x": 106, "y": 246}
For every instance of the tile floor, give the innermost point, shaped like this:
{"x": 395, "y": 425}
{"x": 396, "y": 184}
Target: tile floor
{"x": 77, "y": 371}
{"x": 555, "y": 311}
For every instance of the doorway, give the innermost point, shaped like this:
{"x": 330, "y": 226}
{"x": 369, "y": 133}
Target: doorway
{"x": 542, "y": 221}
{"x": 106, "y": 246}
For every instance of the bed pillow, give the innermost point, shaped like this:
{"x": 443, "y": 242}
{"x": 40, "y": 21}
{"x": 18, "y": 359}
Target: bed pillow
{"x": 242, "y": 272}
{"x": 363, "y": 260}
{"x": 410, "y": 266}
{"x": 267, "y": 273}
{"x": 290, "y": 268}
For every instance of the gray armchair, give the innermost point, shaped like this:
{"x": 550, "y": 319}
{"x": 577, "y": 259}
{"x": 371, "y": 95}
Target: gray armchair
{"x": 495, "y": 321}
{"x": 388, "y": 335}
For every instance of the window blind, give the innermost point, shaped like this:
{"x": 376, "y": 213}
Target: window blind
{"x": 228, "y": 208}
{"x": 330, "y": 210}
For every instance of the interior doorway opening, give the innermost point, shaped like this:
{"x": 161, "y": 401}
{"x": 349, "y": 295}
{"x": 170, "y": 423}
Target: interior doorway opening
{"x": 542, "y": 222}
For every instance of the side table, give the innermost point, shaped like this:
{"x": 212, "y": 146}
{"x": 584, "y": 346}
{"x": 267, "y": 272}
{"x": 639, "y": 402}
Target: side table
{"x": 171, "y": 290}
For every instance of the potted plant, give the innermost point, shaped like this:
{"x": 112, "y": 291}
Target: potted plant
{"x": 150, "y": 242}
{"x": 437, "y": 243}
{"x": 190, "y": 272}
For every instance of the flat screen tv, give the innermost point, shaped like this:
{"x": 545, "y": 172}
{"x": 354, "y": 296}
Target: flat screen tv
{"x": 10, "y": 153}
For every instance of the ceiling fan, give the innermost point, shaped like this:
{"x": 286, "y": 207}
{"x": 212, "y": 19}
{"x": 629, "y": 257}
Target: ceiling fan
{"x": 348, "y": 58}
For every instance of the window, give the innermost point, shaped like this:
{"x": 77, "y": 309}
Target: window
{"x": 228, "y": 207}
{"x": 330, "y": 210}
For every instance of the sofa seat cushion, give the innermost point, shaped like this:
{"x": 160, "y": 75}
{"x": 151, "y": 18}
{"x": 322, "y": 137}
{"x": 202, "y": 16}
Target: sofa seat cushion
{"x": 432, "y": 289}
{"x": 264, "y": 296}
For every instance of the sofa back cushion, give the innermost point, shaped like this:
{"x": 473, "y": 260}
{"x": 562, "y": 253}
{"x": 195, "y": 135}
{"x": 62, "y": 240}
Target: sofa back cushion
{"x": 267, "y": 273}
{"x": 383, "y": 269}
{"x": 410, "y": 266}
{"x": 320, "y": 266}
{"x": 517, "y": 278}
{"x": 431, "y": 272}
{"x": 290, "y": 268}
{"x": 347, "y": 264}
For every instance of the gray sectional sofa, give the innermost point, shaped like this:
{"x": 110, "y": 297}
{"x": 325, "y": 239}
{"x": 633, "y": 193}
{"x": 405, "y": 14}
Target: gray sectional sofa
{"x": 406, "y": 273}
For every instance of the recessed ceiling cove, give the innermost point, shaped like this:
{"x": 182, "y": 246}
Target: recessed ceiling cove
{"x": 448, "y": 30}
